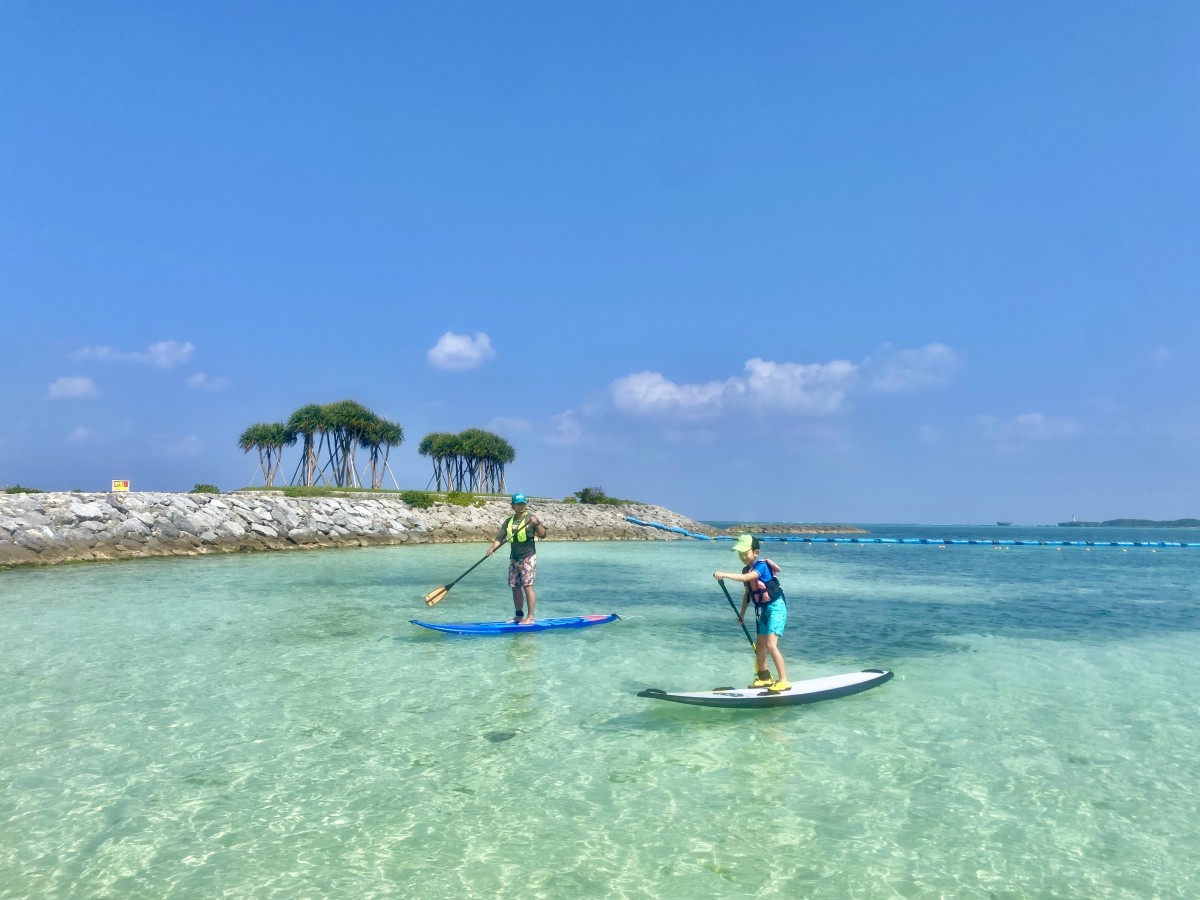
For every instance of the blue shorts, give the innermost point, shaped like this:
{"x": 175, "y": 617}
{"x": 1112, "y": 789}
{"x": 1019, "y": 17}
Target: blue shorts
{"x": 772, "y": 618}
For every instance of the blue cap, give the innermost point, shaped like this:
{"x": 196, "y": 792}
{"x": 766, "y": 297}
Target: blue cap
{"x": 518, "y": 498}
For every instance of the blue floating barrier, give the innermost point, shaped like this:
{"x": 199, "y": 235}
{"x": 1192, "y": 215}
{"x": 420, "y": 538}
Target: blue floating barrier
{"x": 942, "y": 541}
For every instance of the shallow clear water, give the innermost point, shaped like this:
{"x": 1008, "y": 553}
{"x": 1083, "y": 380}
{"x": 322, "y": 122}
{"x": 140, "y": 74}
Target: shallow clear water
{"x": 271, "y": 726}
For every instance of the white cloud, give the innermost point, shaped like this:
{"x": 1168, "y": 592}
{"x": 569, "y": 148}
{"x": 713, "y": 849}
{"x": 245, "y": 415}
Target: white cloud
{"x": 902, "y": 371}
{"x": 567, "y": 431}
{"x": 69, "y": 387}
{"x": 1027, "y": 428}
{"x": 816, "y": 389}
{"x": 203, "y": 382}
{"x": 163, "y": 354}
{"x": 649, "y": 393}
{"x": 79, "y": 435}
{"x": 166, "y": 354}
{"x": 460, "y": 351}
{"x": 813, "y": 389}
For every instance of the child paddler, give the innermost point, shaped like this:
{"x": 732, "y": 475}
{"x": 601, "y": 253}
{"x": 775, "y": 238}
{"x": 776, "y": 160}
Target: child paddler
{"x": 770, "y": 609}
{"x": 520, "y": 530}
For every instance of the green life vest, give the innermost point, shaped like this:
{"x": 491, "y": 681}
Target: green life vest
{"x": 517, "y": 535}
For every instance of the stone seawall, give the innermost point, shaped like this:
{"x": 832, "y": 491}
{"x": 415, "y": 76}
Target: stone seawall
{"x": 42, "y": 529}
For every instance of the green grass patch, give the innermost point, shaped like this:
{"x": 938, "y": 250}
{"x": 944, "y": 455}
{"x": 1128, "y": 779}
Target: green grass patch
{"x": 462, "y": 498}
{"x": 21, "y": 489}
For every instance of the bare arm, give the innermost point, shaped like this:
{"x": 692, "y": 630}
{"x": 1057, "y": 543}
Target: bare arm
{"x": 499, "y": 539}
{"x": 744, "y": 579}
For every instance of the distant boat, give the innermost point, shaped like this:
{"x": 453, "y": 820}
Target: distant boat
{"x": 1075, "y": 523}
{"x": 1004, "y": 523}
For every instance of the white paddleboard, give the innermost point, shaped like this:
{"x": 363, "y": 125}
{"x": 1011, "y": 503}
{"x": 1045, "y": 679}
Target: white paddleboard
{"x": 809, "y": 691}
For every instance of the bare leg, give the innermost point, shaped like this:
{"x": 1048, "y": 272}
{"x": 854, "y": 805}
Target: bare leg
{"x": 530, "y": 603}
{"x": 517, "y": 595}
{"x": 772, "y": 647}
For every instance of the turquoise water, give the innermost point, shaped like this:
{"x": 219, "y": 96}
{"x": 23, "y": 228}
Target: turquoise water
{"x": 271, "y": 726}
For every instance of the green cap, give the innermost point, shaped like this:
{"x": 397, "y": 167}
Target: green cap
{"x": 745, "y": 542}
{"x": 518, "y": 498}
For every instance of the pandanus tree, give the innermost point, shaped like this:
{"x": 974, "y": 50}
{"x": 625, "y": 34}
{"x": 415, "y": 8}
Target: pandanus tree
{"x": 379, "y": 438}
{"x": 474, "y": 459}
{"x": 308, "y": 422}
{"x": 441, "y": 448}
{"x": 331, "y": 435}
{"x": 347, "y": 422}
{"x": 502, "y": 454}
{"x": 269, "y": 439}
{"x": 487, "y": 454}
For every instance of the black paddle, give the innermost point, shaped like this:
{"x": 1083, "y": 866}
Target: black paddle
{"x": 439, "y": 593}
{"x": 721, "y": 581}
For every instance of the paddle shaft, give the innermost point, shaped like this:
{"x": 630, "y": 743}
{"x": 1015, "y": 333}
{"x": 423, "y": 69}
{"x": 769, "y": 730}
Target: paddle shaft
{"x": 736, "y": 612}
{"x": 444, "y": 589}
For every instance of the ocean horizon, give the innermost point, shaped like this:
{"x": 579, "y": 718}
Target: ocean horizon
{"x": 271, "y": 725}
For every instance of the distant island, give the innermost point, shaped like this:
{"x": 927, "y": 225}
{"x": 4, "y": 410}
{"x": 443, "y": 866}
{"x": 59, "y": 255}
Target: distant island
{"x": 1135, "y": 523}
{"x": 1152, "y": 523}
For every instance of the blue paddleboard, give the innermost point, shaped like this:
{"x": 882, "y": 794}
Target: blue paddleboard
{"x": 515, "y": 628}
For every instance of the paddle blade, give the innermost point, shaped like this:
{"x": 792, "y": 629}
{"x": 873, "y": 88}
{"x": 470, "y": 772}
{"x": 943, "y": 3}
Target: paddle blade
{"x": 436, "y": 595}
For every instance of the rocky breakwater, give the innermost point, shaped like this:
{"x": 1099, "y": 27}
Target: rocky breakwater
{"x": 41, "y": 529}
{"x": 794, "y": 528}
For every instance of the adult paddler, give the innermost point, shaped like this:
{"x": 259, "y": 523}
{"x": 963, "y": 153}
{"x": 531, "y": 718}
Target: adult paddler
{"x": 520, "y": 530}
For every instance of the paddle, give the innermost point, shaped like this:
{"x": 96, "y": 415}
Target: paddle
{"x": 733, "y": 605}
{"x": 439, "y": 593}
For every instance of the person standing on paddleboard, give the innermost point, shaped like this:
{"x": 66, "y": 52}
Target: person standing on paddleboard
{"x": 760, "y": 576}
{"x": 520, "y": 529}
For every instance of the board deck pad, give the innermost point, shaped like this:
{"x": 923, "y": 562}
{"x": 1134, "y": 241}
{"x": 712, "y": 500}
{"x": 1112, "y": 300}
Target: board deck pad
{"x": 810, "y": 691}
{"x": 514, "y": 627}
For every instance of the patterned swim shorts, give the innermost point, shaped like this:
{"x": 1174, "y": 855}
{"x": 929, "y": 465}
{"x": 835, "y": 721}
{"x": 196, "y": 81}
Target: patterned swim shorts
{"x": 521, "y": 572}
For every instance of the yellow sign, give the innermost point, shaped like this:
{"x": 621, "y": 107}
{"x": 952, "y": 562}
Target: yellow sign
{"x": 121, "y": 485}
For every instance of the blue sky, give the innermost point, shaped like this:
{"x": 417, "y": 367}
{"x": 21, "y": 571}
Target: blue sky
{"x": 872, "y": 262}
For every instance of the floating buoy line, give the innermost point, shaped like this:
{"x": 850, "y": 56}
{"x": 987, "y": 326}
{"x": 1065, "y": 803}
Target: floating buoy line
{"x": 987, "y": 542}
